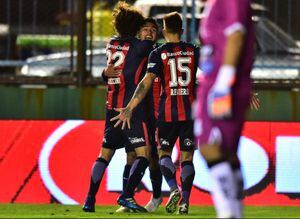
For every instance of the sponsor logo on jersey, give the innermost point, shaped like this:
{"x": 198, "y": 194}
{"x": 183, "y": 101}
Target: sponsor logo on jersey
{"x": 135, "y": 140}
{"x": 179, "y": 91}
{"x": 151, "y": 65}
{"x": 188, "y": 142}
{"x": 163, "y": 56}
{"x": 179, "y": 53}
{"x": 117, "y": 47}
{"x": 114, "y": 81}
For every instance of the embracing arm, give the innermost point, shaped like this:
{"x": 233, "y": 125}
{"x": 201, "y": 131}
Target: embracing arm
{"x": 141, "y": 90}
{"x": 125, "y": 114}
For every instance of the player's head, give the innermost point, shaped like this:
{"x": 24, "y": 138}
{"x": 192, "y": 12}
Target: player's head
{"x": 127, "y": 20}
{"x": 149, "y": 30}
{"x": 172, "y": 24}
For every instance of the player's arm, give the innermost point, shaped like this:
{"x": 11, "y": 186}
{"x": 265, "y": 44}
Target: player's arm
{"x": 233, "y": 48}
{"x": 141, "y": 90}
{"x": 110, "y": 72}
{"x": 234, "y": 32}
{"x": 219, "y": 98}
{"x": 139, "y": 94}
{"x": 232, "y": 52}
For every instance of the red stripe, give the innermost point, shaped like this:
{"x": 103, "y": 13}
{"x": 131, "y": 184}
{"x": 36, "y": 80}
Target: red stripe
{"x": 146, "y": 134}
{"x": 139, "y": 71}
{"x": 156, "y": 92}
{"x": 180, "y": 104}
{"x": 122, "y": 86}
{"x": 111, "y": 87}
{"x": 193, "y": 78}
{"x": 167, "y": 79}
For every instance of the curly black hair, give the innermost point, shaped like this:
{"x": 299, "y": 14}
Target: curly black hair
{"x": 127, "y": 20}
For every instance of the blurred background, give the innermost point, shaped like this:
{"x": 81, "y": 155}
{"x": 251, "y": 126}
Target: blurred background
{"x": 55, "y": 50}
{"x": 52, "y": 100}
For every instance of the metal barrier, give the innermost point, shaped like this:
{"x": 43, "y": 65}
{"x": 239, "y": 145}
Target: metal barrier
{"x": 35, "y": 32}
{"x": 39, "y": 37}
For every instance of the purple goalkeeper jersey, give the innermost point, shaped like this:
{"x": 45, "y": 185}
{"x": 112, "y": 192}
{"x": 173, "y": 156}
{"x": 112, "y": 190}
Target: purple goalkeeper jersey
{"x": 223, "y": 17}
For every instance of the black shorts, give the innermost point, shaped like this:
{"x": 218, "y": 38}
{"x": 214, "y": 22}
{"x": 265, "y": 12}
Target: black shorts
{"x": 168, "y": 132}
{"x": 115, "y": 138}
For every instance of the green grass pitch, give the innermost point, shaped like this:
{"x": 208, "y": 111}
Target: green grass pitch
{"x": 74, "y": 211}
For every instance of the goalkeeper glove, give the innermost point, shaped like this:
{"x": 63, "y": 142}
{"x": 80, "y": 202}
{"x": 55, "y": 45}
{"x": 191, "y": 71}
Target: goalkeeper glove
{"x": 219, "y": 100}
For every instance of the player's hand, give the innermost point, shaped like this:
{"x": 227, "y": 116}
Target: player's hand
{"x": 254, "y": 101}
{"x": 111, "y": 71}
{"x": 219, "y": 100}
{"x": 124, "y": 117}
{"x": 219, "y": 104}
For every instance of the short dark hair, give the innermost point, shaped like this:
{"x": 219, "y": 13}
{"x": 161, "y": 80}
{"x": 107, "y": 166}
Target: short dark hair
{"x": 151, "y": 20}
{"x": 173, "y": 22}
{"x": 127, "y": 20}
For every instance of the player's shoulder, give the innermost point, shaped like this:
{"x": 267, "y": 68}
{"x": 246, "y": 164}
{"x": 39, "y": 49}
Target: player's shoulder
{"x": 157, "y": 49}
{"x": 163, "y": 47}
{"x": 191, "y": 45}
{"x": 160, "y": 47}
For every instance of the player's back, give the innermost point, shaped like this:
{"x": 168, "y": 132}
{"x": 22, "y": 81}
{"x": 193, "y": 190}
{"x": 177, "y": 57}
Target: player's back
{"x": 127, "y": 55}
{"x": 176, "y": 65}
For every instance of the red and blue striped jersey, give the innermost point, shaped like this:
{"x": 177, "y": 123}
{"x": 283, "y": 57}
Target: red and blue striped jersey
{"x": 128, "y": 55}
{"x": 151, "y": 100}
{"x": 176, "y": 65}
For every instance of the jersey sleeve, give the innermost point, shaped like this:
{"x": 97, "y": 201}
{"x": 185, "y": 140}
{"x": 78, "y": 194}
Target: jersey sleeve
{"x": 145, "y": 47}
{"x": 154, "y": 63}
{"x": 237, "y": 18}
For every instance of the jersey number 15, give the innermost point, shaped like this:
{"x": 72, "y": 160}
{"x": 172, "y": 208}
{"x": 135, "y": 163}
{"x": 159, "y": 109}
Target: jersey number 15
{"x": 176, "y": 65}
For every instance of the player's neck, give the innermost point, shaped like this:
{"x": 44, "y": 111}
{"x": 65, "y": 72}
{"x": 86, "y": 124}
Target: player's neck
{"x": 173, "y": 39}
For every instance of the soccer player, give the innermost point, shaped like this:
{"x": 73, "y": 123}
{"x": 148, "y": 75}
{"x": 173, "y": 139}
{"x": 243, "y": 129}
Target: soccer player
{"x": 223, "y": 96}
{"x": 175, "y": 62}
{"x": 147, "y": 32}
{"x": 126, "y": 53}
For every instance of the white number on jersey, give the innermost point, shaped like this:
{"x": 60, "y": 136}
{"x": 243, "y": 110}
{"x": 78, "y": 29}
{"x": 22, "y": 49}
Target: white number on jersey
{"x": 117, "y": 57}
{"x": 175, "y": 79}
